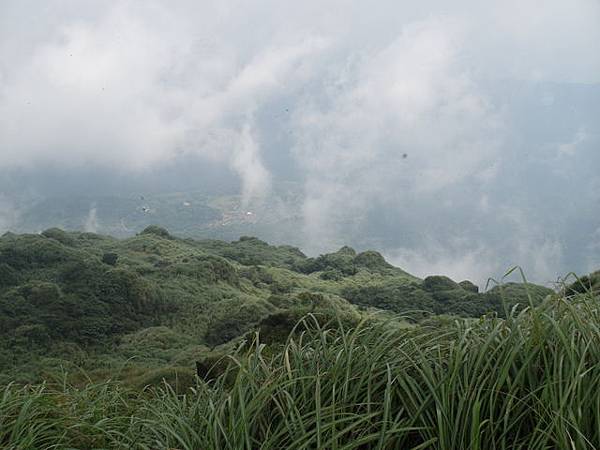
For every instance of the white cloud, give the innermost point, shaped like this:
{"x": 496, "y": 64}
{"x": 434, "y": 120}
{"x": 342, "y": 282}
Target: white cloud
{"x": 593, "y": 259}
{"x": 128, "y": 84}
{"x": 89, "y": 94}
{"x": 389, "y": 105}
{"x": 553, "y": 41}
{"x": 133, "y": 90}
{"x": 411, "y": 118}
{"x": 91, "y": 222}
{"x": 436, "y": 258}
{"x": 479, "y": 260}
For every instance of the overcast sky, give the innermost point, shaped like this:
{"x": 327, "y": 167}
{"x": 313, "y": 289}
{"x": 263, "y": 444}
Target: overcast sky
{"x": 468, "y": 130}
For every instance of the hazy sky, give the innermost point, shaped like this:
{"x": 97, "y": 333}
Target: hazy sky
{"x": 469, "y": 130}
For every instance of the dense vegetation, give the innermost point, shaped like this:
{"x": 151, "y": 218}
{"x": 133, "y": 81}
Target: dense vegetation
{"x": 530, "y": 381}
{"x": 154, "y": 300}
{"x": 159, "y": 342}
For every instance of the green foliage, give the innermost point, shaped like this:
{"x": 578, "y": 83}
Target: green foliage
{"x": 232, "y": 318}
{"x": 583, "y": 285}
{"x": 123, "y": 308}
{"x": 157, "y": 231}
{"x": 207, "y": 269}
{"x": 529, "y": 381}
{"x": 437, "y": 283}
{"x": 179, "y": 379}
{"x": 189, "y": 355}
{"x": 38, "y": 417}
{"x": 259, "y": 276}
{"x": 394, "y": 296}
{"x": 29, "y": 252}
{"x": 60, "y": 236}
{"x": 372, "y": 260}
{"x": 51, "y": 292}
{"x": 441, "y": 295}
{"x": 159, "y": 343}
{"x": 469, "y": 286}
{"x": 277, "y": 328}
{"x": 518, "y": 295}
{"x": 327, "y": 310}
{"x": 110, "y": 258}
{"x": 251, "y": 251}
{"x": 346, "y": 263}
{"x": 331, "y": 274}
{"x": 8, "y": 276}
{"x": 341, "y": 263}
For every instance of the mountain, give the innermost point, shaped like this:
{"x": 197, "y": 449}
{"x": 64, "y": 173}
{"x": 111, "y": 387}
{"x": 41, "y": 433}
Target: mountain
{"x": 154, "y": 301}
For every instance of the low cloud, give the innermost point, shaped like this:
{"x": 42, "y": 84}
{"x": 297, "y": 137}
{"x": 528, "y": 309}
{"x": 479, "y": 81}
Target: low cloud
{"x": 435, "y": 258}
{"x": 410, "y": 123}
{"x": 593, "y": 259}
{"x": 481, "y": 261}
{"x": 132, "y": 90}
{"x": 396, "y": 118}
{"x": 91, "y": 222}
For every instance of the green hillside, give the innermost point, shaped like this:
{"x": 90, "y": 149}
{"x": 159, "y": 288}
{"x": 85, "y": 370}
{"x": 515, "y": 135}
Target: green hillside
{"x": 158, "y": 342}
{"x": 529, "y": 381}
{"x": 155, "y": 301}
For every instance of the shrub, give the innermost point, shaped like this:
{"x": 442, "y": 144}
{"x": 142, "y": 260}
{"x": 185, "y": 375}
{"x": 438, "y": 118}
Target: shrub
{"x": 207, "y": 269}
{"x": 469, "y": 286}
{"x": 157, "y": 231}
{"x": 529, "y": 381}
{"x": 517, "y": 294}
{"x": 232, "y": 318}
{"x": 60, "y": 236}
{"x": 179, "y": 379}
{"x": 8, "y": 276}
{"x": 110, "y": 258}
{"x": 371, "y": 260}
{"x": 439, "y": 283}
{"x": 397, "y": 296}
{"x": 32, "y": 252}
{"x": 583, "y": 285}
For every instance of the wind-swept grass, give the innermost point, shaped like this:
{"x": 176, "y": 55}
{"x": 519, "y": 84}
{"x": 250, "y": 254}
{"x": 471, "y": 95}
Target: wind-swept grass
{"x": 27, "y": 419}
{"x": 531, "y": 381}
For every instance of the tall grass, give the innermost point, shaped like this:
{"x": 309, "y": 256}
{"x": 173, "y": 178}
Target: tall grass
{"x": 531, "y": 381}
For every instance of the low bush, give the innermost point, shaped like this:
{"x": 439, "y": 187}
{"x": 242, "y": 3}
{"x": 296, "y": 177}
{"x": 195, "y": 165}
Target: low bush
{"x": 528, "y": 381}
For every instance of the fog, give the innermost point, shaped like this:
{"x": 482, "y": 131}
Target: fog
{"x": 456, "y": 138}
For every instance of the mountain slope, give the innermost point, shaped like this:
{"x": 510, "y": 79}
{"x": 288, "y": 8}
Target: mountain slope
{"x": 99, "y": 301}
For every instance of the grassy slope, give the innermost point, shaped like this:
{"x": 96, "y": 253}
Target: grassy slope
{"x": 154, "y": 302}
{"x": 531, "y": 381}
